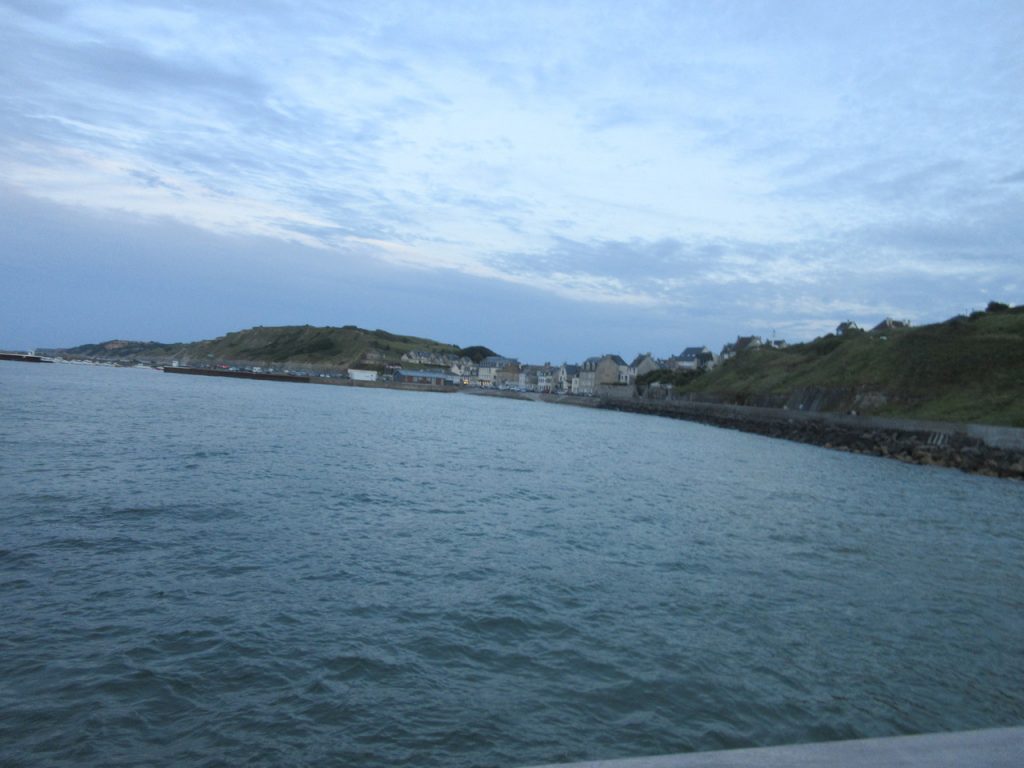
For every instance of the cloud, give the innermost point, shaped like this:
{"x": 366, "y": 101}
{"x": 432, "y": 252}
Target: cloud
{"x": 715, "y": 164}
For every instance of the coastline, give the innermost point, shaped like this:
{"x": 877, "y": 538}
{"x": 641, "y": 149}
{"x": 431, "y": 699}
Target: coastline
{"x": 988, "y": 450}
{"x": 980, "y": 449}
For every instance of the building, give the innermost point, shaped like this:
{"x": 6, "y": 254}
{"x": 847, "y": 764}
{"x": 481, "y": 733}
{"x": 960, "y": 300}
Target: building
{"x": 643, "y": 364}
{"x": 695, "y": 358}
{"x": 490, "y": 367}
{"x": 567, "y": 375}
{"x": 547, "y": 378}
{"x": 742, "y": 344}
{"x": 357, "y": 374}
{"x": 890, "y": 324}
{"x": 599, "y": 371}
{"x": 429, "y": 378}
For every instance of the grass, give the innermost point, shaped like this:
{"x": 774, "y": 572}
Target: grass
{"x": 295, "y": 345}
{"x": 964, "y": 369}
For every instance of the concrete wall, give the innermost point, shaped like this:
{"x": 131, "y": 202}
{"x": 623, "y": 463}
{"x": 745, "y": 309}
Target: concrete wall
{"x": 991, "y": 748}
{"x": 617, "y": 392}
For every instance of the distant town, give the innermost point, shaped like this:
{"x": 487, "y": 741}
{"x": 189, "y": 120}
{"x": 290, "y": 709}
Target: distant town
{"x": 959, "y": 379}
{"x": 587, "y": 378}
{"x": 428, "y": 367}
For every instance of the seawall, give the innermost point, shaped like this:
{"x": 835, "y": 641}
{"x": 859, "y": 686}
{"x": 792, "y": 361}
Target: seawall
{"x": 978, "y": 448}
{"x": 385, "y": 384}
{"x": 237, "y": 374}
{"x": 20, "y": 358}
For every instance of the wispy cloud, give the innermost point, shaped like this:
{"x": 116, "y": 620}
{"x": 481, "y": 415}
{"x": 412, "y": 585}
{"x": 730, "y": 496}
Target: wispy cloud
{"x": 659, "y": 156}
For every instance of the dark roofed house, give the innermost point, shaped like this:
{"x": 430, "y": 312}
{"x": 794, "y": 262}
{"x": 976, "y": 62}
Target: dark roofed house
{"x": 694, "y": 358}
{"x": 496, "y": 361}
{"x": 566, "y": 374}
{"x": 643, "y": 364}
{"x": 889, "y": 324}
{"x": 741, "y": 344}
{"x": 607, "y": 369}
{"x": 489, "y": 368}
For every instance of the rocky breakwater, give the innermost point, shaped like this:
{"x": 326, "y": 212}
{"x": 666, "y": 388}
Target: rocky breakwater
{"x": 992, "y": 451}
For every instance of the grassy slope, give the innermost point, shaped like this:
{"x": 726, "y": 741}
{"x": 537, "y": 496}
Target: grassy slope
{"x": 307, "y": 344}
{"x": 303, "y": 344}
{"x": 965, "y": 369}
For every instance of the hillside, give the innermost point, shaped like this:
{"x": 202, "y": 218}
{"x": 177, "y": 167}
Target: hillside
{"x": 302, "y": 345}
{"x": 964, "y": 369}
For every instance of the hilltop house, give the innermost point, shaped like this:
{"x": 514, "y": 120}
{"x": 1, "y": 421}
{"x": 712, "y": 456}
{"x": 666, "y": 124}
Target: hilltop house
{"x": 422, "y": 357}
{"x": 889, "y": 323}
{"x": 742, "y": 344}
{"x": 695, "y": 358}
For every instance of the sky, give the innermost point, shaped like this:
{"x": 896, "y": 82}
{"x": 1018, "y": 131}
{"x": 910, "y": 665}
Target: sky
{"x": 553, "y": 180}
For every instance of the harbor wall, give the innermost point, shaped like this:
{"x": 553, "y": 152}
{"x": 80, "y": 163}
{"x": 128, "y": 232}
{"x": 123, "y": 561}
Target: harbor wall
{"x": 978, "y": 448}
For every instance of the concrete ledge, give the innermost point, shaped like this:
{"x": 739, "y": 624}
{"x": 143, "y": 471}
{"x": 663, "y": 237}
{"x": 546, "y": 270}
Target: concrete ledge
{"x": 991, "y": 748}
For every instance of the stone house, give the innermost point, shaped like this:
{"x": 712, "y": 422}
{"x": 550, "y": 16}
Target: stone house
{"x": 567, "y": 374}
{"x": 490, "y": 367}
{"x": 643, "y": 364}
{"x": 598, "y": 371}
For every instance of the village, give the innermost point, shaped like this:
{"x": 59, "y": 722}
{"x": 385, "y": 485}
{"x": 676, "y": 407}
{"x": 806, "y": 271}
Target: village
{"x": 589, "y": 378}
{"x": 600, "y": 375}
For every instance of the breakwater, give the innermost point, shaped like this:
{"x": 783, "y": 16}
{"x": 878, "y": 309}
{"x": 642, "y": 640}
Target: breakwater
{"x": 977, "y": 448}
{"x": 238, "y": 374}
{"x": 386, "y": 384}
{"x": 17, "y": 357}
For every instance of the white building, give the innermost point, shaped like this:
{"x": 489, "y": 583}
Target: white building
{"x": 359, "y": 375}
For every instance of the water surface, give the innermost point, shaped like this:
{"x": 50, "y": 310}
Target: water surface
{"x": 217, "y": 572}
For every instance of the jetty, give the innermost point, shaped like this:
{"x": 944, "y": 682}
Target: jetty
{"x": 23, "y": 358}
{"x": 237, "y": 374}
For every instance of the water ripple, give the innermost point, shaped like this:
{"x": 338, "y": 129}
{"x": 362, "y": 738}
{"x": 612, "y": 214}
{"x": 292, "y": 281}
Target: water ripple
{"x": 218, "y": 573}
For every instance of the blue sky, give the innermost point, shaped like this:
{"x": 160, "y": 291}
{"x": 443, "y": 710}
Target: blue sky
{"x": 553, "y": 180}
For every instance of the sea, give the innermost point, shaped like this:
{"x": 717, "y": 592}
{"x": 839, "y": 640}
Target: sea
{"x": 217, "y": 572}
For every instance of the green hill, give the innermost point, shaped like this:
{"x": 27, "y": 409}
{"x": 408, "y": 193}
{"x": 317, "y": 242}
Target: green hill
{"x": 302, "y": 345}
{"x": 964, "y": 369}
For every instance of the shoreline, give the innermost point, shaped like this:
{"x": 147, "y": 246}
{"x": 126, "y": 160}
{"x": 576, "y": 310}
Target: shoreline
{"x": 980, "y": 449}
{"x": 988, "y": 450}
